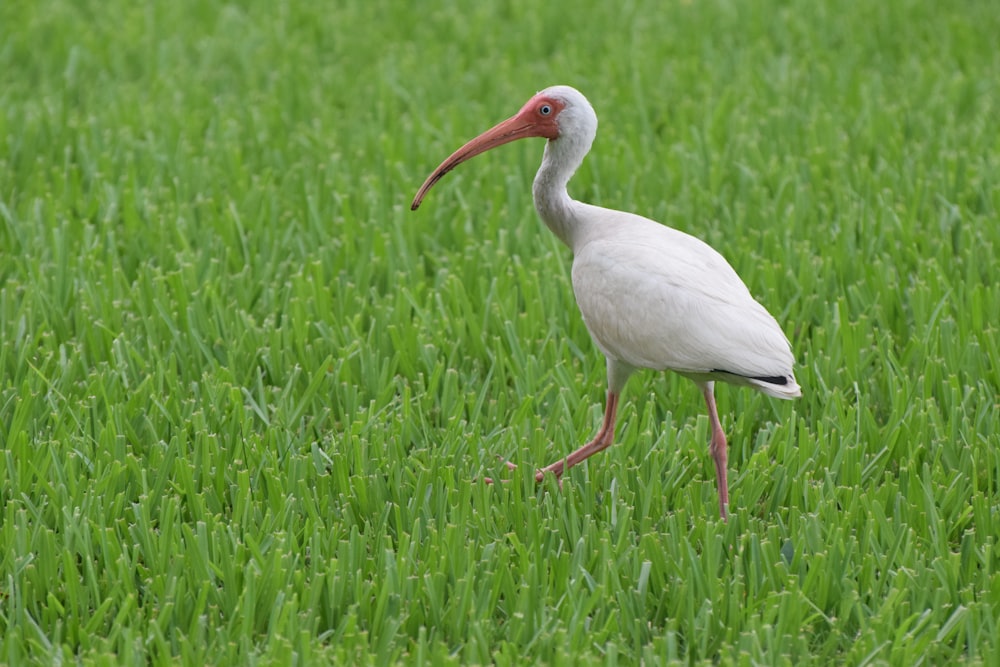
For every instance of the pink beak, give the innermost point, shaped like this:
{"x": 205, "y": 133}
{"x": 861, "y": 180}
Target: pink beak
{"x": 526, "y": 123}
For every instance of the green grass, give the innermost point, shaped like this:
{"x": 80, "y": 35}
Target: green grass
{"x": 244, "y": 392}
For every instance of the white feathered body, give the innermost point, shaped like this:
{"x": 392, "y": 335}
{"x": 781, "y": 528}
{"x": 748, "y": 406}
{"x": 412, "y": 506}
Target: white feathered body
{"x": 654, "y": 297}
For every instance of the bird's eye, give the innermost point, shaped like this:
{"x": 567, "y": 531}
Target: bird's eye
{"x": 545, "y": 109}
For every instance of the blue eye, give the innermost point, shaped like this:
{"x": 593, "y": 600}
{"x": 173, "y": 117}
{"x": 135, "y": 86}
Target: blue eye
{"x": 545, "y": 109}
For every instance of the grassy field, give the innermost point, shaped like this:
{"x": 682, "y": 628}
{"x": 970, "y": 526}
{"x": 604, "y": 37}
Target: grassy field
{"x": 245, "y": 393}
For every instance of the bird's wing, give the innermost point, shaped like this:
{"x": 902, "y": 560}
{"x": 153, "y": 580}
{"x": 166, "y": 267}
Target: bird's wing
{"x": 654, "y": 297}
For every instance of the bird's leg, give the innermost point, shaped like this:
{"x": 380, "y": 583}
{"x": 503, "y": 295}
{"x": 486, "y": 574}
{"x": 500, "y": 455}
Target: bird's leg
{"x": 603, "y": 439}
{"x": 717, "y": 448}
{"x": 605, "y": 436}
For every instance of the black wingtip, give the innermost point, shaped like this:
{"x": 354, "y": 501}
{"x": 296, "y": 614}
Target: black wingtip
{"x": 769, "y": 379}
{"x": 772, "y": 379}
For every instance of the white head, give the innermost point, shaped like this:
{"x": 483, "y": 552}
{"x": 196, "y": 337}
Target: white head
{"x": 560, "y": 114}
{"x": 575, "y": 120}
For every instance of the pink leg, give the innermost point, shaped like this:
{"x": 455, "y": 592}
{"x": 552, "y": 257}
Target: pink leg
{"x": 602, "y": 440}
{"x": 717, "y": 448}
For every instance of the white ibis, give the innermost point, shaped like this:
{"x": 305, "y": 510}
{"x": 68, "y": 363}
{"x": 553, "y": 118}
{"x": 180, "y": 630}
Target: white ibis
{"x": 651, "y": 296}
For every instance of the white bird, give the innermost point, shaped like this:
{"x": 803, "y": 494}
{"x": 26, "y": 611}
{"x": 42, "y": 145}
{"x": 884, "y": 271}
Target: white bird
{"x": 651, "y": 296}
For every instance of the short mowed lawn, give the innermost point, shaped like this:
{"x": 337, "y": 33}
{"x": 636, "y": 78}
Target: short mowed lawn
{"x": 247, "y": 398}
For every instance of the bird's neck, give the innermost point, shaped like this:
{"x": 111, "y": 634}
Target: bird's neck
{"x": 552, "y": 200}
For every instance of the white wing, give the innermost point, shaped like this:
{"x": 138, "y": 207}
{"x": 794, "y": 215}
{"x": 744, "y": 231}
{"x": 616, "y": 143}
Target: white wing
{"x": 654, "y": 297}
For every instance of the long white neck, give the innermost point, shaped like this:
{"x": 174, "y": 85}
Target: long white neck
{"x": 563, "y": 156}
{"x": 557, "y": 209}
{"x": 552, "y": 200}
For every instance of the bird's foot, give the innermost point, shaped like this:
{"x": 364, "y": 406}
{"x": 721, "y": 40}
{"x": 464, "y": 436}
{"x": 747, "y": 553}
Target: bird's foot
{"x": 539, "y": 475}
{"x": 510, "y": 466}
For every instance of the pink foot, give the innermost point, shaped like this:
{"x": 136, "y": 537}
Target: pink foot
{"x": 510, "y": 466}
{"x": 539, "y": 476}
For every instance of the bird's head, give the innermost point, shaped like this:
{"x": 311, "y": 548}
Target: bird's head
{"x": 560, "y": 114}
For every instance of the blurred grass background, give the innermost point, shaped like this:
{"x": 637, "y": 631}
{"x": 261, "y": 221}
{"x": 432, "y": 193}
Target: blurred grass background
{"x": 244, "y": 391}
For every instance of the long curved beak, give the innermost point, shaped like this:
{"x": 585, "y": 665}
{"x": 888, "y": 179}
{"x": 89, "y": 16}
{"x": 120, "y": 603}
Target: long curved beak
{"x": 512, "y": 129}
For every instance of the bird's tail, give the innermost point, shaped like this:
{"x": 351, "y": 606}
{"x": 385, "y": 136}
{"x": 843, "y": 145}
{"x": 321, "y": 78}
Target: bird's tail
{"x": 778, "y": 386}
